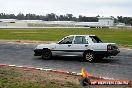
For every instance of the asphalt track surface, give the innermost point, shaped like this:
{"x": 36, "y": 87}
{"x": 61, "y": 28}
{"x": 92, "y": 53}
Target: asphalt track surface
{"x": 119, "y": 67}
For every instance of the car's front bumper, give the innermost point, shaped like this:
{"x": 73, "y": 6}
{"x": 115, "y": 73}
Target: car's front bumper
{"x": 113, "y": 52}
{"x": 107, "y": 53}
{"x": 37, "y": 52}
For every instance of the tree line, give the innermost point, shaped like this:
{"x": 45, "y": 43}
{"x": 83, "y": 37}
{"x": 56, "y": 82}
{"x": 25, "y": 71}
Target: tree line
{"x": 126, "y": 20}
{"x": 66, "y": 17}
{"x": 48, "y": 17}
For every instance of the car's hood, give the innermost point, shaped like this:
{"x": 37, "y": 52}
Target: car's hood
{"x": 102, "y": 43}
{"x": 109, "y": 43}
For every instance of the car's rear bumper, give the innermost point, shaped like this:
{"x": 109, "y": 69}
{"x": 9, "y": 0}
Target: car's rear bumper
{"x": 37, "y": 52}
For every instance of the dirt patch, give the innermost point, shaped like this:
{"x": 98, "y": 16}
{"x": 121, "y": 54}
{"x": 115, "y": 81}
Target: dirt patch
{"x": 26, "y": 42}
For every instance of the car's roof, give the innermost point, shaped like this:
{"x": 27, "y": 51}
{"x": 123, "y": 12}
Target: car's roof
{"x": 81, "y": 35}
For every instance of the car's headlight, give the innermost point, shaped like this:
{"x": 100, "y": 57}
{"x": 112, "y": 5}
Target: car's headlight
{"x": 112, "y": 47}
{"x": 109, "y": 47}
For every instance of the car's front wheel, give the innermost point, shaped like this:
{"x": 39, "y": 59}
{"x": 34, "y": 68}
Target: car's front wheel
{"x": 46, "y": 54}
{"x": 89, "y": 56}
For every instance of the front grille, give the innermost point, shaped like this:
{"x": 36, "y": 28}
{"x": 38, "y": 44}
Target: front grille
{"x": 114, "y": 47}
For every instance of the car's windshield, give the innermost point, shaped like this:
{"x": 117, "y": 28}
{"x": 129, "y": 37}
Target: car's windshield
{"x": 95, "y": 39}
{"x": 66, "y": 40}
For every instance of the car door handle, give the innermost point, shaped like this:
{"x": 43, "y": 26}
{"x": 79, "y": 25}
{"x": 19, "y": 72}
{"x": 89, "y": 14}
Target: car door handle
{"x": 69, "y": 45}
{"x": 86, "y": 45}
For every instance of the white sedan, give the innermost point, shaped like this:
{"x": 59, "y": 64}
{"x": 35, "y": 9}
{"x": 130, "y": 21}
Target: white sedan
{"x": 90, "y": 47}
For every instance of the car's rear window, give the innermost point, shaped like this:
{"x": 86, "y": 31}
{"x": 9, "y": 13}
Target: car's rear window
{"x": 95, "y": 39}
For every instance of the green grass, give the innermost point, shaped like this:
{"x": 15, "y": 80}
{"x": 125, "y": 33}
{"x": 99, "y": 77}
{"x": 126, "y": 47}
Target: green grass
{"x": 12, "y": 78}
{"x": 119, "y": 36}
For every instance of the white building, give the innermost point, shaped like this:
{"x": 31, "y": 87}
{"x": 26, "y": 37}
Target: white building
{"x": 106, "y": 21}
{"x": 8, "y": 20}
{"x": 90, "y": 24}
{"x": 120, "y": 24}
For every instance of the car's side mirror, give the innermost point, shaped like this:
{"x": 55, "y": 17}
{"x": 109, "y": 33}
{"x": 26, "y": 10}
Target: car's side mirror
{"x": 59, "y": 43}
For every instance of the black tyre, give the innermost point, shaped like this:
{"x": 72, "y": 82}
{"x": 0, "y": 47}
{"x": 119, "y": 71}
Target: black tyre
{"x": 89, "y": 56}
{"x": 46, "y": 54}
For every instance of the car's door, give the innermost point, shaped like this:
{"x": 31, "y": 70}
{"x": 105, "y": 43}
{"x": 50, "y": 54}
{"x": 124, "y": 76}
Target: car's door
{"x": 80, "y": 44}
{"x": 63, "y": 48}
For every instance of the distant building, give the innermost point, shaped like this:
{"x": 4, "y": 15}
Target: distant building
{"x": 120, "y": 24}
{"x": 102, "y": 22}
{"x": 8, "y": 20}
{"x": 106, "y": 21}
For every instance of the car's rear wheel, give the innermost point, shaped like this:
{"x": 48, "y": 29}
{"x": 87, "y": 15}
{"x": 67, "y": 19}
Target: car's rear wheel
{"x": 46, "y": 54}
{"x": 89, "y": 56}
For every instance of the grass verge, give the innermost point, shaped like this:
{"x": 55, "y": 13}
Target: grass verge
{"x": 119, "y": 36}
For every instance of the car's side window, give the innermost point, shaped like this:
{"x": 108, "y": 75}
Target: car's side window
{"x": 67, "y": 40}
{"x": 80, "y": 40}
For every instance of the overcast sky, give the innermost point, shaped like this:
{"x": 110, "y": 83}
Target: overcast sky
{"x": 75, "y": 7}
